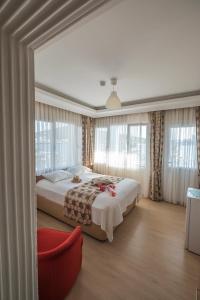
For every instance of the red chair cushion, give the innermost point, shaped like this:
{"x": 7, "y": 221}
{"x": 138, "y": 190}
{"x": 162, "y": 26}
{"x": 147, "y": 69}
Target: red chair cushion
{"x": 59, "y": 262}
{"x": 48, "y": 238}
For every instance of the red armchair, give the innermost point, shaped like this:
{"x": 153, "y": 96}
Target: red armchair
{"x": 59, "y": 261}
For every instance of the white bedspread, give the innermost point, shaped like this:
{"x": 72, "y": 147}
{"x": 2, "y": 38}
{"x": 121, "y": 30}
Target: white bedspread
{"x": 107, "y": 211}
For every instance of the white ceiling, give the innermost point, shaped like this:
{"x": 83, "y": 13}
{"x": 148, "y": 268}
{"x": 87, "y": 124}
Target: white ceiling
{"x": 151, "y": 46}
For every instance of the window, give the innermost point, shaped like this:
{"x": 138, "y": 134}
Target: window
{"x": 117, "y": 145}
{"x": 66, "y": 144}
{"x": 100, "y": 144}
{"x": 121, "y": 146}
{"x": 182, "y": 147}
{"x": 57, "y": 145}
{"x": 137, "y": 146}
{"x": 43, "y": 145}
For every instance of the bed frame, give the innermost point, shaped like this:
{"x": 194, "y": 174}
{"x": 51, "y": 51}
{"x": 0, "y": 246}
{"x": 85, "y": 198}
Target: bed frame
{"x": 56, "y": 210}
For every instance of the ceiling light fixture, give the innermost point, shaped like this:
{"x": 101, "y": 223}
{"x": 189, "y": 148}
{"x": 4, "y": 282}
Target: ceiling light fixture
{"x": 113, "y": 101}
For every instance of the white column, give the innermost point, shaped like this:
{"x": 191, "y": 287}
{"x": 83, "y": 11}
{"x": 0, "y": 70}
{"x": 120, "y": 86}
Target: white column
{"x": 17, "y": 208}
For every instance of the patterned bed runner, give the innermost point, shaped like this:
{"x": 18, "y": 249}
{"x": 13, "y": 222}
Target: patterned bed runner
{"x": 78, "y": 201}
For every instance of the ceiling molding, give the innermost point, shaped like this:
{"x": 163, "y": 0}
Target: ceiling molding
{"x": 157, "y": 98}
{"x": 63, "y": 95}
{"x": 56, "y": 100}
{"x": 152, "y": 106}
{"x": 126, "y": 104}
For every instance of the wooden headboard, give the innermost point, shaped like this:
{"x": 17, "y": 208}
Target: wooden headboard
{"x": 38, "y": 178}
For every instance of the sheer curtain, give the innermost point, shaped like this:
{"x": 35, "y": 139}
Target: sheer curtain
{"x": 58, "y": 138}
{"x": 122, "y": 147}
{"x": 198, "y": 141}
{"x": 180, "y": 156}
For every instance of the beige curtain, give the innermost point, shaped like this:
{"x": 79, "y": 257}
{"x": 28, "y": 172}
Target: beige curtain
{"x": 88, "y": 141}
{"x": 156, "y": 155}
{"x": 180, "y": 158}
{"x": 58, "y": 138}
{"x": 198, "y": 141}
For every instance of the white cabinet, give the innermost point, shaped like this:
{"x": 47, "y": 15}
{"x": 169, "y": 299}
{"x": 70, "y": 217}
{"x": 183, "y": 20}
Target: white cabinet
{"x": 193, "y": 220}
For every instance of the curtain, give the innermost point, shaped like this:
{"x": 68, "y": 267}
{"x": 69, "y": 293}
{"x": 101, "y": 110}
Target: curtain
{"x": 122, "y": 147}
{"x": 198, "y": 141}
{"x": 156, "y": 155}
{"x": 88, "y": 141}
{"x": 180, "y": 153}
{"x": 58, "y": 138}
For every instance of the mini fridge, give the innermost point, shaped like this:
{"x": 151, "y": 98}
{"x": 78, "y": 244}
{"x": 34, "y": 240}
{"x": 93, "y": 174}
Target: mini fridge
{"x": 193, "y": 221}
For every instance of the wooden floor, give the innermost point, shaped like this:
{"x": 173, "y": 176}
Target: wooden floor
{"x": 146, "y": 260}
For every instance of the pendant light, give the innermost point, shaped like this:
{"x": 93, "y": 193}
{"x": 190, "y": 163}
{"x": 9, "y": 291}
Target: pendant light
{"x": 113, "y": 101}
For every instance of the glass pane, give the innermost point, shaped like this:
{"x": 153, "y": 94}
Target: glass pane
{"x": 118, "y": 146}
{"x": 100, "y": 145}
{"x": 67, "y": 145}
{"x": 62, "y": 144}
{"x": 137, "y": 153}
{"x": 43, "y": 146}
{"x": 182, "y": 150}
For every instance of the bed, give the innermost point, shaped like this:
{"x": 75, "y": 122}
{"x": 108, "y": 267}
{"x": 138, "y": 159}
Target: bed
{"x": 107, "y": 211}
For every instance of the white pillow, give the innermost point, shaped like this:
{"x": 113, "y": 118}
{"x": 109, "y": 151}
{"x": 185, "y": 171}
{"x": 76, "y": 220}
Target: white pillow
{"x": 88, "y": 170}
{"x": 57, "y": 175}
{"x": 78, "y": 170}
